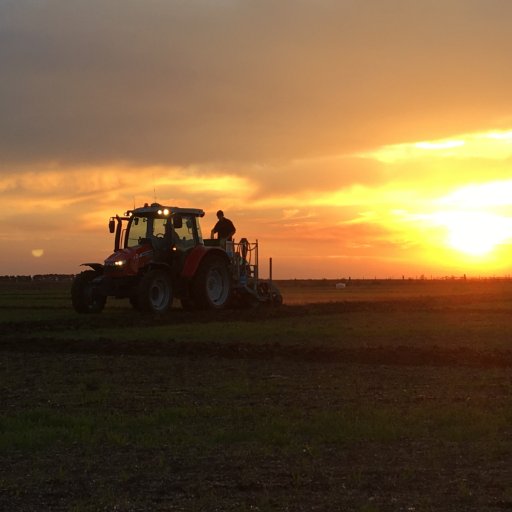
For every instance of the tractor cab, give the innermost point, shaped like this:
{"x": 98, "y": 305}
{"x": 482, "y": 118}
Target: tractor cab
{"x": 152, "y": 233}
{"x": 178, "y": 226}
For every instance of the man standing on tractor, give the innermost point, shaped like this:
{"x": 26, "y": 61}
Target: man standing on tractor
{"x": 224, "y": 228}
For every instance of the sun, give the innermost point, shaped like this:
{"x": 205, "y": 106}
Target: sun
{"x": 475, "y": 233}
{"x": 476, "y": 219}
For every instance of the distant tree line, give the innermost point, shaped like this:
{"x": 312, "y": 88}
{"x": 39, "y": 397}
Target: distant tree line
{"x": 38, "y": 277}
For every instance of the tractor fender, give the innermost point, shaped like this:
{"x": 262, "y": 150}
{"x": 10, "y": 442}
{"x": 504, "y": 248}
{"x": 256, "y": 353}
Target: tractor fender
{"x": 95, "y": 266}
{"x": 196, "y": 256}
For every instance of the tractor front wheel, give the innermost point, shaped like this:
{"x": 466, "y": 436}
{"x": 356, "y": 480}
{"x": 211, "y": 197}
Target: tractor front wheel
{"x": 212, "y": 284}
{"x": 83, "y": 296}
{"x": 155, "y": 292}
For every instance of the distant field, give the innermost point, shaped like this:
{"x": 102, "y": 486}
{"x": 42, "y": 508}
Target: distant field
{"x": 381, "y": 396}
{"x": 308, "y": 291}
{"x": 305, "y": 291}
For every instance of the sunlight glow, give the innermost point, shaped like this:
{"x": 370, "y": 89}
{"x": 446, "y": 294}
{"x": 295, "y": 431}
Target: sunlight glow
{"x": 478, "y": 217}
{"x": 474, "y": 233}
{"x": 492, "y": 194}
{"x": 507, "y": 136}
{"x": 495, "y": 145}
{"x": 440, "y": 145}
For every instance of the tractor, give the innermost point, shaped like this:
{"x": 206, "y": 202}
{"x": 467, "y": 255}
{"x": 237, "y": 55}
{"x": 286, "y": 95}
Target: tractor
{"x": 160, "y": 254}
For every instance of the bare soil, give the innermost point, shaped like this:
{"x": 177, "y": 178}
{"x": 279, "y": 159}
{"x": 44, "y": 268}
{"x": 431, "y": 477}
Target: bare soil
{"x": 111, "y": 376}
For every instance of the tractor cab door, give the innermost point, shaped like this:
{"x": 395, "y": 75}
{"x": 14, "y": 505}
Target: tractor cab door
{"x": 187, "y": 234}
{"x": 136, "y": 232}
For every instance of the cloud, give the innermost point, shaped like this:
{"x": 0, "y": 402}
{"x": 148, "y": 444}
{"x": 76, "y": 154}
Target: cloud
{"x": 176, "y": 83}
{"x": 309, "y": 175}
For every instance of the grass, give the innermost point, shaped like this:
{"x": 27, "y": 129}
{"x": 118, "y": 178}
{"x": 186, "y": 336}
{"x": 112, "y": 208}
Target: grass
{"x": 184, "y": 429}
{"x": 487, "y": 330}
{"x": 92, "y": 430}
{"x": 467, "y": 314}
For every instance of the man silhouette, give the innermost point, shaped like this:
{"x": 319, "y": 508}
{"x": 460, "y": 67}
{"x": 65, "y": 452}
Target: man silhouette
{"x": 224, "y": 228}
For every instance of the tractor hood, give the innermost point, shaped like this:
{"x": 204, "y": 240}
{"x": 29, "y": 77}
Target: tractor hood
{"x": 129, "y": 260}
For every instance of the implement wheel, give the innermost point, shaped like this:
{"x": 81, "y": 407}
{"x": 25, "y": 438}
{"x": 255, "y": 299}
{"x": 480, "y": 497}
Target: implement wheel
{"x": 83, "y": 296}
{"x": 212, "y": 284}
{"x": 155, "y": 292}
{"x": 270, "y": 293}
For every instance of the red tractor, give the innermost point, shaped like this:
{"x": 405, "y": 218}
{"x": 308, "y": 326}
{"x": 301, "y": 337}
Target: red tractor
{"x": 159, "y": 254}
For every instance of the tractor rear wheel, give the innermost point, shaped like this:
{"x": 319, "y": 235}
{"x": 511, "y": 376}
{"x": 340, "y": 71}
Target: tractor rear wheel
{"x": 155, "y": 292}
{"x": 83, "y": 296}
{"x": 212, "y": 284}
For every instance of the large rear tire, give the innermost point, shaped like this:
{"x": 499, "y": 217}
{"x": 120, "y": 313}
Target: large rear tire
{"x": 83, "y": 295}
{"x": 155, "y": 292}
{"x": 212, "y": 284}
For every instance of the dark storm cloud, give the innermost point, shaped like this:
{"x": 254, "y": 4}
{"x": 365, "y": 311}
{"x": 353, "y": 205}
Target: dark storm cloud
{"x": 180, "y": 82}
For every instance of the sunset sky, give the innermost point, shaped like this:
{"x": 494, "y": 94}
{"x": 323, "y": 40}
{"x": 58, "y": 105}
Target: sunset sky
{"x": 361, "y": 138}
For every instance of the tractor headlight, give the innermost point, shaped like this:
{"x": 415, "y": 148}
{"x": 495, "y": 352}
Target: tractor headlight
{"x": 114, "y": 266}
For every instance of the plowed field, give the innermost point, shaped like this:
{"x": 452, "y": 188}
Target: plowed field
{"x": 382, "y": 396}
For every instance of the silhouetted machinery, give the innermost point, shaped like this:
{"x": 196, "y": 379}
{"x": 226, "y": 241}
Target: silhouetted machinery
{"x": 160, "y": 254}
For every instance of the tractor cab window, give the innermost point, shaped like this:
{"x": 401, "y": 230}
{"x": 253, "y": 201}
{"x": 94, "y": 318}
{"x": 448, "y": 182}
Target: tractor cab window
{"x": 137, "y": 230}
{"x": 185, "y": 234}
{"x": 159, "y": 227}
